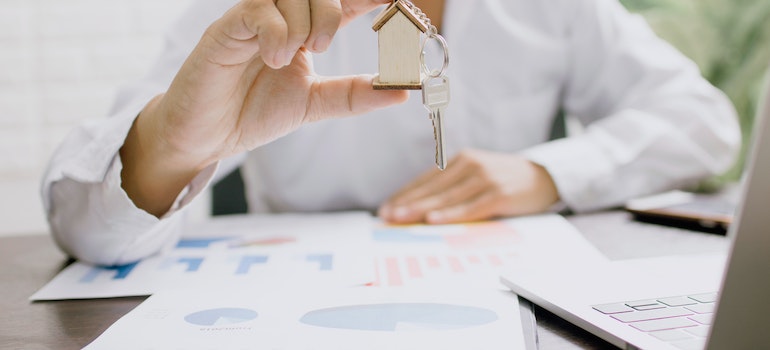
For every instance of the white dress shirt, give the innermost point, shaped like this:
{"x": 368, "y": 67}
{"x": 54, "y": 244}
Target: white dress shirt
{"x": 652, "y": 123}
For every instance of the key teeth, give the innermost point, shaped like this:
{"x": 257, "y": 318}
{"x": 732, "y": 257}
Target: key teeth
{"x": 435, "y": 97}
{"x": 439, "y": 155}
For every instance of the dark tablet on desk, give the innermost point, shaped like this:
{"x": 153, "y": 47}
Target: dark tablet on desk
{"x": 684, "y": 210}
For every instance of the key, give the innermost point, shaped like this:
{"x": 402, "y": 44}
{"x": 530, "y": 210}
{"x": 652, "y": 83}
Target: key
{"x": 435, "y": 97}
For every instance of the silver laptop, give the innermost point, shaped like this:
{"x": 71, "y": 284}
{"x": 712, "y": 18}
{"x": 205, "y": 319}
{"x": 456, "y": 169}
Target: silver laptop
{"x": 718, "y": 301}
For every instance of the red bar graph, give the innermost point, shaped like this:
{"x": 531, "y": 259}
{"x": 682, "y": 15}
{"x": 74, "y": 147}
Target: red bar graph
{"x": 495, "y": 260}
{"x": 393, "y": 271}
{"x": 455, "y": 265}
{"x": 433, "y": 262}
{"x": 413, "y": 266}
{"x": 396, "y": 271}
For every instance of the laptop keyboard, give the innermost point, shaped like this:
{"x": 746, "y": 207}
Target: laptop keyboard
{"x": 683, "y": 321}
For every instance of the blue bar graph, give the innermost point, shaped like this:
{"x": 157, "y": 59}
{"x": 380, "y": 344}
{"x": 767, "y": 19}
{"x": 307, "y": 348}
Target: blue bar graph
{"x": 403, "y": 235}
{"x": 220, "y": 317}
{"x": 247, "y": 261}
{"x": 193, "y": 264}
{"x": 199, "y": 242}
{"x": 121, "y": 272}
{"x": 324, "y": 261}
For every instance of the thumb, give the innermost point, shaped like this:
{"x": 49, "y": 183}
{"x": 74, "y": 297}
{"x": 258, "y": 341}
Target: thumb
{"x": 350, "y": 95}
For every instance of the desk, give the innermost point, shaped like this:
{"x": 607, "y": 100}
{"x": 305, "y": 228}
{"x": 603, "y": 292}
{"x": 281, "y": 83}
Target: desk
{"x": 27, "y": 263}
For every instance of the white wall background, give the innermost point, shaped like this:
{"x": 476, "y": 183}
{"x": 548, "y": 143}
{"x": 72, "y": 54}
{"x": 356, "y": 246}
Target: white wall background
{"x": 60, "y": 63}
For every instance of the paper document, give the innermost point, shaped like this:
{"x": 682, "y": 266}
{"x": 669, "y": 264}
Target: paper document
{"x": 232, "y": 251}
{"x": 339, "y": 249}
{"x": 419, "y": 254}
{"x": 317, "y": 318}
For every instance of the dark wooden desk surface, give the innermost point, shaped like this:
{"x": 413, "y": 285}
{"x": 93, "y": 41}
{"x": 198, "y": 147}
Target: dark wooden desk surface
{"x": 28, "y": 262}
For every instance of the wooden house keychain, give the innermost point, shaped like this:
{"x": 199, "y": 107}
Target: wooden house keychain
{"x": 402, "y": 62}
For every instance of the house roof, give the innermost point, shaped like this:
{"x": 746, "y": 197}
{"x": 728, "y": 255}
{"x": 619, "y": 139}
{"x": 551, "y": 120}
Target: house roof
{"x": 405, "y": 7}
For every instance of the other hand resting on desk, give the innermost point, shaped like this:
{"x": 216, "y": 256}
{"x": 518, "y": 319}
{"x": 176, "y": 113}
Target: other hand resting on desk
{"x": 476, "y": 185}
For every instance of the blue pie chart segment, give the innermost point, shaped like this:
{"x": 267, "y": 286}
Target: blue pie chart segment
{"x": 220, "y": 317}
{"x": 394, "y": 317}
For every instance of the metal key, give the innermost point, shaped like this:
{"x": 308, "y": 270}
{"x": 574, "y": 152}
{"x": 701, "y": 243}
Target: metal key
{"x": 435, "y": 97}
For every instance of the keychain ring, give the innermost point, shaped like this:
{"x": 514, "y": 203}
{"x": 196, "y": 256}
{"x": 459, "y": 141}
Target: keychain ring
{"x": 444, "y": 47}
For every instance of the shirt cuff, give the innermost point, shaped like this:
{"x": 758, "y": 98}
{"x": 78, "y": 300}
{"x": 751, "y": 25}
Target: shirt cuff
{"x": 124, "y": 204}
{"x": 125, "y": 216}
{"x": 575, "y": 164}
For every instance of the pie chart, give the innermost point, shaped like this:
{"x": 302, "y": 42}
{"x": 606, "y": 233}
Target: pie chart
{"x": 220, "y": 317}
{"x": 393, "y": 317}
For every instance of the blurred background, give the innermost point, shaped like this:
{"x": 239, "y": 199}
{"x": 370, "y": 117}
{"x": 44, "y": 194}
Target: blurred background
{"x": 60, "y": 63}
{"x": 730, "y": 42}
{"x": 62, "y": 60}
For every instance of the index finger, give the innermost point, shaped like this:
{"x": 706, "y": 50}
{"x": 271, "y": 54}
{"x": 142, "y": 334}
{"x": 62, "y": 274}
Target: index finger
{"x": 325, "y": 17}
{"x": 354, "y": 8}
{"x": 329, "y": 15}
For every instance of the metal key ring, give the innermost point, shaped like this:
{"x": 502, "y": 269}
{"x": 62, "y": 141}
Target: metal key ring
{"x": 444, "y": 47}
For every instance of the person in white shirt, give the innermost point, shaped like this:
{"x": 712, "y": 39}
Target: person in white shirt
{"x": 236, "y": 79}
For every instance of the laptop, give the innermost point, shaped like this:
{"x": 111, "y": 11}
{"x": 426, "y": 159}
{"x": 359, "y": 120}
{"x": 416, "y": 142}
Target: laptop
{"x": 716, "y": 301}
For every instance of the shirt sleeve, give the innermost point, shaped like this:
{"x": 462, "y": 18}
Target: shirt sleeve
{"x": 90, "y": 215}
{"x": 653, "y": 123}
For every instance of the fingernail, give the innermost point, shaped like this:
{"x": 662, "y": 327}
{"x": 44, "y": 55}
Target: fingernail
{"x": 322, "y": 43}
{"x": 401, "y": 212}
{"x": 435, "y": 216}
{"x": 288, "y": 56}
{"x": 283, "y": 58}
{"x": 278, "y": 58}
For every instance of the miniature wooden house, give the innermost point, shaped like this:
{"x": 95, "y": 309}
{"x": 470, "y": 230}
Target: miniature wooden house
{"x": 399, "y": 28}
